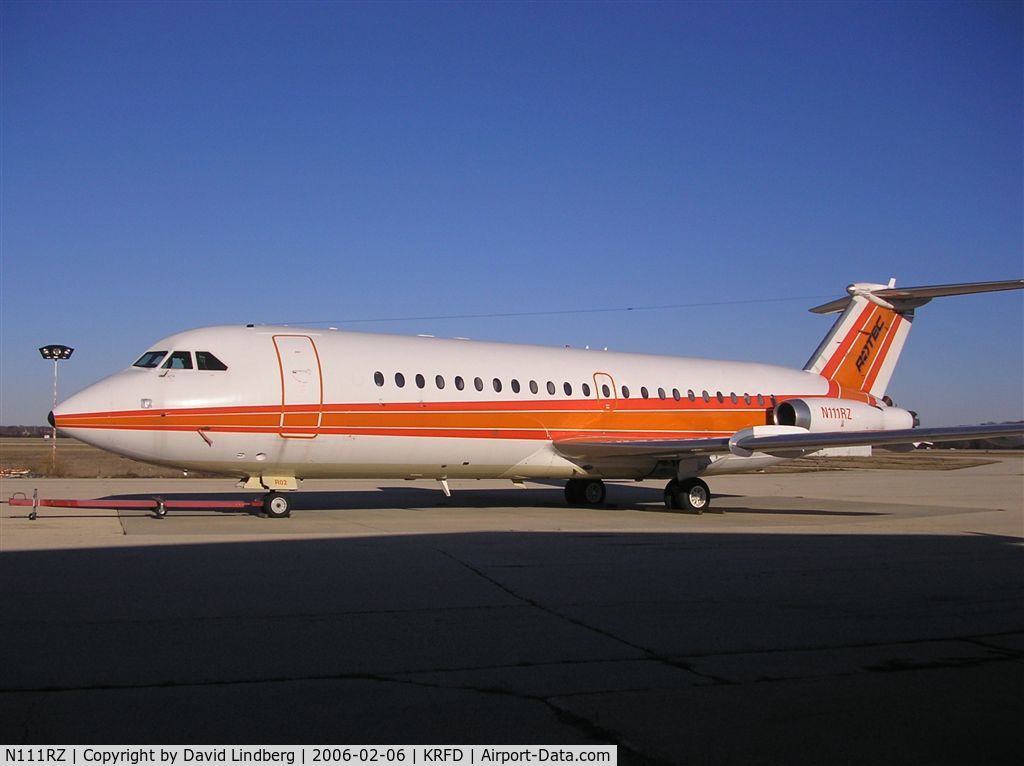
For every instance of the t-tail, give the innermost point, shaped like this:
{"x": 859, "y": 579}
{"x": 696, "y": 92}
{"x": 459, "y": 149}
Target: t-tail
{"x": 861, "y": 350}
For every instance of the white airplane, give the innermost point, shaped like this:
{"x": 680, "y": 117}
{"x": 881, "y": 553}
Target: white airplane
{"x": 275, "y": 405}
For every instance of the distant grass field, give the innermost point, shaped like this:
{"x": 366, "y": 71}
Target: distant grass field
{"x": 78, "y": 460}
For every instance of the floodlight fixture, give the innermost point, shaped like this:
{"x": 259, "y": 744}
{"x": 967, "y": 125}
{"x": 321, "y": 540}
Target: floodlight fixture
{"x": 56, "y": 352}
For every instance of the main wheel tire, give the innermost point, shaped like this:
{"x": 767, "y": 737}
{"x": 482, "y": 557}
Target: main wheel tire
{"x": 687, "y": 496}
{"x": 672, "y": 500}
{"x": 576, "y": 492}
{"x": 276, "y": 505}
{"x": 696, "y": 496}
{"x": 593, "y": 492}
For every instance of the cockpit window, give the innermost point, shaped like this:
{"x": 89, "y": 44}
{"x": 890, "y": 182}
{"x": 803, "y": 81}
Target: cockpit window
{"x": 207, "y": 361}
{"x": 150, "y": 359}
{"x": 179, "y": 360}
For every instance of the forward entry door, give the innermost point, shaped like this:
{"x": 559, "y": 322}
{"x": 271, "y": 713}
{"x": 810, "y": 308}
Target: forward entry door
{"x": 302, "y": 386}
{"x": 604, "y": 386}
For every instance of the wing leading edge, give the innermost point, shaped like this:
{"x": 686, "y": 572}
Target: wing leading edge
{"x": 788, "y": 441}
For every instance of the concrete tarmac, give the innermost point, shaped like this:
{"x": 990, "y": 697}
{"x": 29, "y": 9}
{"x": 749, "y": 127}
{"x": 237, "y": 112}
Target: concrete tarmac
{"x": 851, "y": 617}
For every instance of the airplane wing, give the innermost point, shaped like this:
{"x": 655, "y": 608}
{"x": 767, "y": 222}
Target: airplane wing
{"x": 784, "y": 441}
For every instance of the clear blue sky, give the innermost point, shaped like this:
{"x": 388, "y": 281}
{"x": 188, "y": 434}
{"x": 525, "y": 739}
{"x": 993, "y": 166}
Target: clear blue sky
{"x": 172, "y": 165}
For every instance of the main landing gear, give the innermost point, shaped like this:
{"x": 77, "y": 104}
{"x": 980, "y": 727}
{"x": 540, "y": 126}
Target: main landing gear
{"x": 687, "y": 495}
{"x": 683, "y": 495}
{"x": 584, "y": 492}
{"x": 276, "y": 505}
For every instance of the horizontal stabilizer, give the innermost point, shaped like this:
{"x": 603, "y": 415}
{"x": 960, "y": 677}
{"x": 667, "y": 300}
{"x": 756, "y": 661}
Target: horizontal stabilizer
{"x": 903, "y": 298}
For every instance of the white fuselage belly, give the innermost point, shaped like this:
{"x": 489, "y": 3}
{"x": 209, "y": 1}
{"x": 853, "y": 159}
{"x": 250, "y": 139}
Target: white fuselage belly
{"x": 349, "y": 457}
{"x": 320, "y": 404}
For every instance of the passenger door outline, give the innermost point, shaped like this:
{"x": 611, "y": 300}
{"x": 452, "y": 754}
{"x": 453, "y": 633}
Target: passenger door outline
{"x": 608, "y": 403}
{"x": 302, "y": 386}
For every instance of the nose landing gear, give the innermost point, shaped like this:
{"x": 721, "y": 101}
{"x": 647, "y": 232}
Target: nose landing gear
{"x": 276, "y": 505}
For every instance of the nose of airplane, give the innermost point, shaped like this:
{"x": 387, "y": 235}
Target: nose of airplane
{"x": 49, "y": 419}
{"x": 80, "y": 410}
{"x": 85, "y": 415}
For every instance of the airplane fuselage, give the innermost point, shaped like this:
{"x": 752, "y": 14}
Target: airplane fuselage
{"x": 303, "y": 403}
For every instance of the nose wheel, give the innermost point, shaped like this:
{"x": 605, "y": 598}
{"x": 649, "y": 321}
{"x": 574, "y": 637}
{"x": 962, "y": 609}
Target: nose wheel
{"x": 687, "y": 496}
{"x": 276, "y": 505}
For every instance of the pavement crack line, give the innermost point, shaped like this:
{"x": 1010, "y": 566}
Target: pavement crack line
{"x": 584, "y": 725}
{"x": 987, "y": 644}
{"x": 648, "y": 653}
{"x": 403, "y": 676}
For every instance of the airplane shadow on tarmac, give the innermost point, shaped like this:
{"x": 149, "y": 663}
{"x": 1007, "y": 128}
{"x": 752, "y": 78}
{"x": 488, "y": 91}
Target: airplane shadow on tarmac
{"x": 826, "y": 648}
{"x": 621, "y": 497}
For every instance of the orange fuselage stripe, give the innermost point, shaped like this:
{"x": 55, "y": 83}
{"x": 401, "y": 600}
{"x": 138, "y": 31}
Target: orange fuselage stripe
{"x": 646, "y": 417}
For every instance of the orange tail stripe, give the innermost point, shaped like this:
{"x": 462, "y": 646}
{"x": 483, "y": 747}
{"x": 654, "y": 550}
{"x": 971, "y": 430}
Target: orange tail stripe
{"x": 844, "y": 348}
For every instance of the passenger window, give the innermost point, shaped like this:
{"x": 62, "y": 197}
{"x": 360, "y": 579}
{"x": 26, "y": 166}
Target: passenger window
{"x": 677, "y": 396}
{"x": 150, "y": 359}
{"x": 732, "y": 398}
{"x": 179, "y": 360}
{"x": 625, "y": 392}
{"x": 690, "y": 395}
{"x": 399, "y": 380}
{"x": 497, "y": 385}
{"x": 760, "y": 400}
{"x": 661, "y": 393}
{"x": 533, "y": 387}
{"x": 439, "y": 382}
{"x": 378, "y": 378}
{"x": 643, "y": 391}
{"x": 705, "y": 395}
{"x": 420, "y": 381}
{"x": 551, "y": 388}
{"x": 515, "y": 386}
{"x": 720, "y": 397}
{"x": 567, "y": 387}
{"x": 478, "y": 384}
{"x": 746, "y": 398}
{"x": 605, "y": 391}
{"x": 207, "y": 361}
{"x": 459, "y": 382}
{"x": 586, "y": 389}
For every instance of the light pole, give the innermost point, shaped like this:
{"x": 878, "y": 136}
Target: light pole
{"x": 57, "y": 353}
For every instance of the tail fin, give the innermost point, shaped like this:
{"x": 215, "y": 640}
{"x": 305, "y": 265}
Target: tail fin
{"x": 861, "y": 350}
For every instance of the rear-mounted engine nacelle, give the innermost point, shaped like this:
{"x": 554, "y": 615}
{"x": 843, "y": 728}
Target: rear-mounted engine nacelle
{"x": 819, "y": 415}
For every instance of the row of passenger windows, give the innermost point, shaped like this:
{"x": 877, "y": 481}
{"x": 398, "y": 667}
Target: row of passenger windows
{"x": 180, "y": 360}
{"x": 497, "y": 385}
